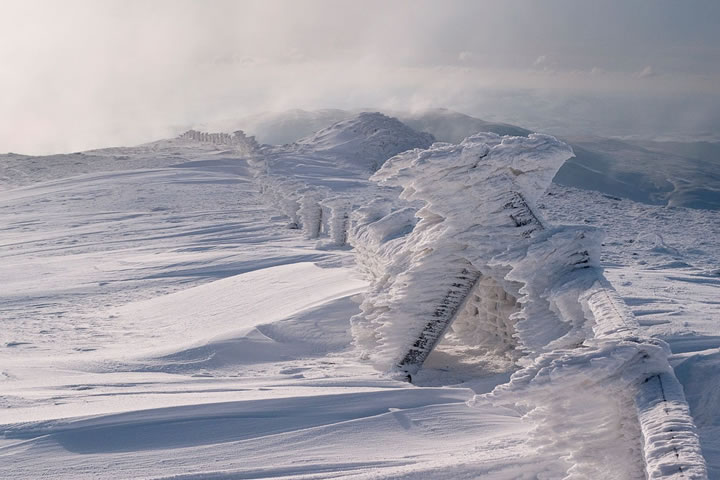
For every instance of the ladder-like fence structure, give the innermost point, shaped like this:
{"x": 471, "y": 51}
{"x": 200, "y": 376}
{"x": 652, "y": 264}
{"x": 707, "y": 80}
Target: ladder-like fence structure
{"x": 478, "y": 222}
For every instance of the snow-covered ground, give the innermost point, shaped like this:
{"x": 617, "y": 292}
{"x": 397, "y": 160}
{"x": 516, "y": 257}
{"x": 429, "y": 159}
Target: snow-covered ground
{"x": 160, "y": 320}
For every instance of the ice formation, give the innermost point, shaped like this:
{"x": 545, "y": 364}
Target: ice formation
{"x": 475, "y": 225}
{"x": 478, "y": 264}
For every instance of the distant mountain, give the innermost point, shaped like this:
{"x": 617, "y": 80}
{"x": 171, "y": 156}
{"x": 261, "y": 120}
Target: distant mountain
{"x": 453, "y": 127}
{"x": 658, "y": 173}
{"x": 365, "y": 140}
{"x": 278, "y": 128}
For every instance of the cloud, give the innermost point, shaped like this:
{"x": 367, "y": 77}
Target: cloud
{"x": 546, "y": 64}
{"x": 646, "y": 72}
{"x": 83, "y": 73}
{"x": 465, "y": 56}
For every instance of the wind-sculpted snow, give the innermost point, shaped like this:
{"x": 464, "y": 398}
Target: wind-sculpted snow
{"x": 477, "y": 195}
{"x": 160, "y": 319}
{"x": 481, "y": 267}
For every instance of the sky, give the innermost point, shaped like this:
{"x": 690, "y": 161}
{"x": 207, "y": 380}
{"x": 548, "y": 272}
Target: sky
{"x": 79, "y": 74}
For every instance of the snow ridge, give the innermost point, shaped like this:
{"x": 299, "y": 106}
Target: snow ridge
{"x": 365, "y": 141}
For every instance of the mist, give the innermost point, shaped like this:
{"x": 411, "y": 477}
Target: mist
{"x": 85, "y": 74}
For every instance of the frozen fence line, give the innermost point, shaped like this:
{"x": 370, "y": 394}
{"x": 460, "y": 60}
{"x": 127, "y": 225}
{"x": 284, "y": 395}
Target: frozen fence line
{"x": 314, "y": 210}
{"x": 670, "y": 442}
{"x": 339, "y": 219}
{"x": 481, "y": 260}
{"x": 237, "y": 139}
{"x": 285, "y": 195}
{"x": 311, "y": 214}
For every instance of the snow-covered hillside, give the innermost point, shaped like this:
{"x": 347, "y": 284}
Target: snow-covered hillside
{"x": 364, "y": 141}
{"x": 659, "y": 173}
{"x": 160, "y": 319}
{"x": 277, "y": 128}
{"x": 454, "y": 127}
{"x": 675, "y": 173}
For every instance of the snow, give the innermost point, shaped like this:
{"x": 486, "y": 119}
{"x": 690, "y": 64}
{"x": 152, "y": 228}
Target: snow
{"x": 160, "y": 319}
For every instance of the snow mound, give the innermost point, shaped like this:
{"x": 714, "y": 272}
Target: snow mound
{"x": 366, "y": 140}
{"x": 279, "y": 128}
{"x": 236, "y": 319}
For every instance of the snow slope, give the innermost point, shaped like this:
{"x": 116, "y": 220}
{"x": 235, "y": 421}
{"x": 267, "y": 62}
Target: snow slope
{"x": 364, "y": 141}
{"x": 660, "y": 173}
{"x": 161, "y": 321}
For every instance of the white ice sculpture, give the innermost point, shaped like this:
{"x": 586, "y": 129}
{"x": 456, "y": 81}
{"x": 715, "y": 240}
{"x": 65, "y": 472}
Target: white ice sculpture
{"x": 477, "y": 219}
{"x": 478, "y": 262}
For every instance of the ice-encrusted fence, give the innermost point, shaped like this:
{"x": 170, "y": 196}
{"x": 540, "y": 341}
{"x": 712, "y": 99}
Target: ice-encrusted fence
{"x": 236, "y": 139}
{"x": 315, "y": 210}
{"x": 477, "y": 261}
{"x": 468, "y": 257}
{"x": 318, "y": 212}
{"x": 671, "y": 445}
